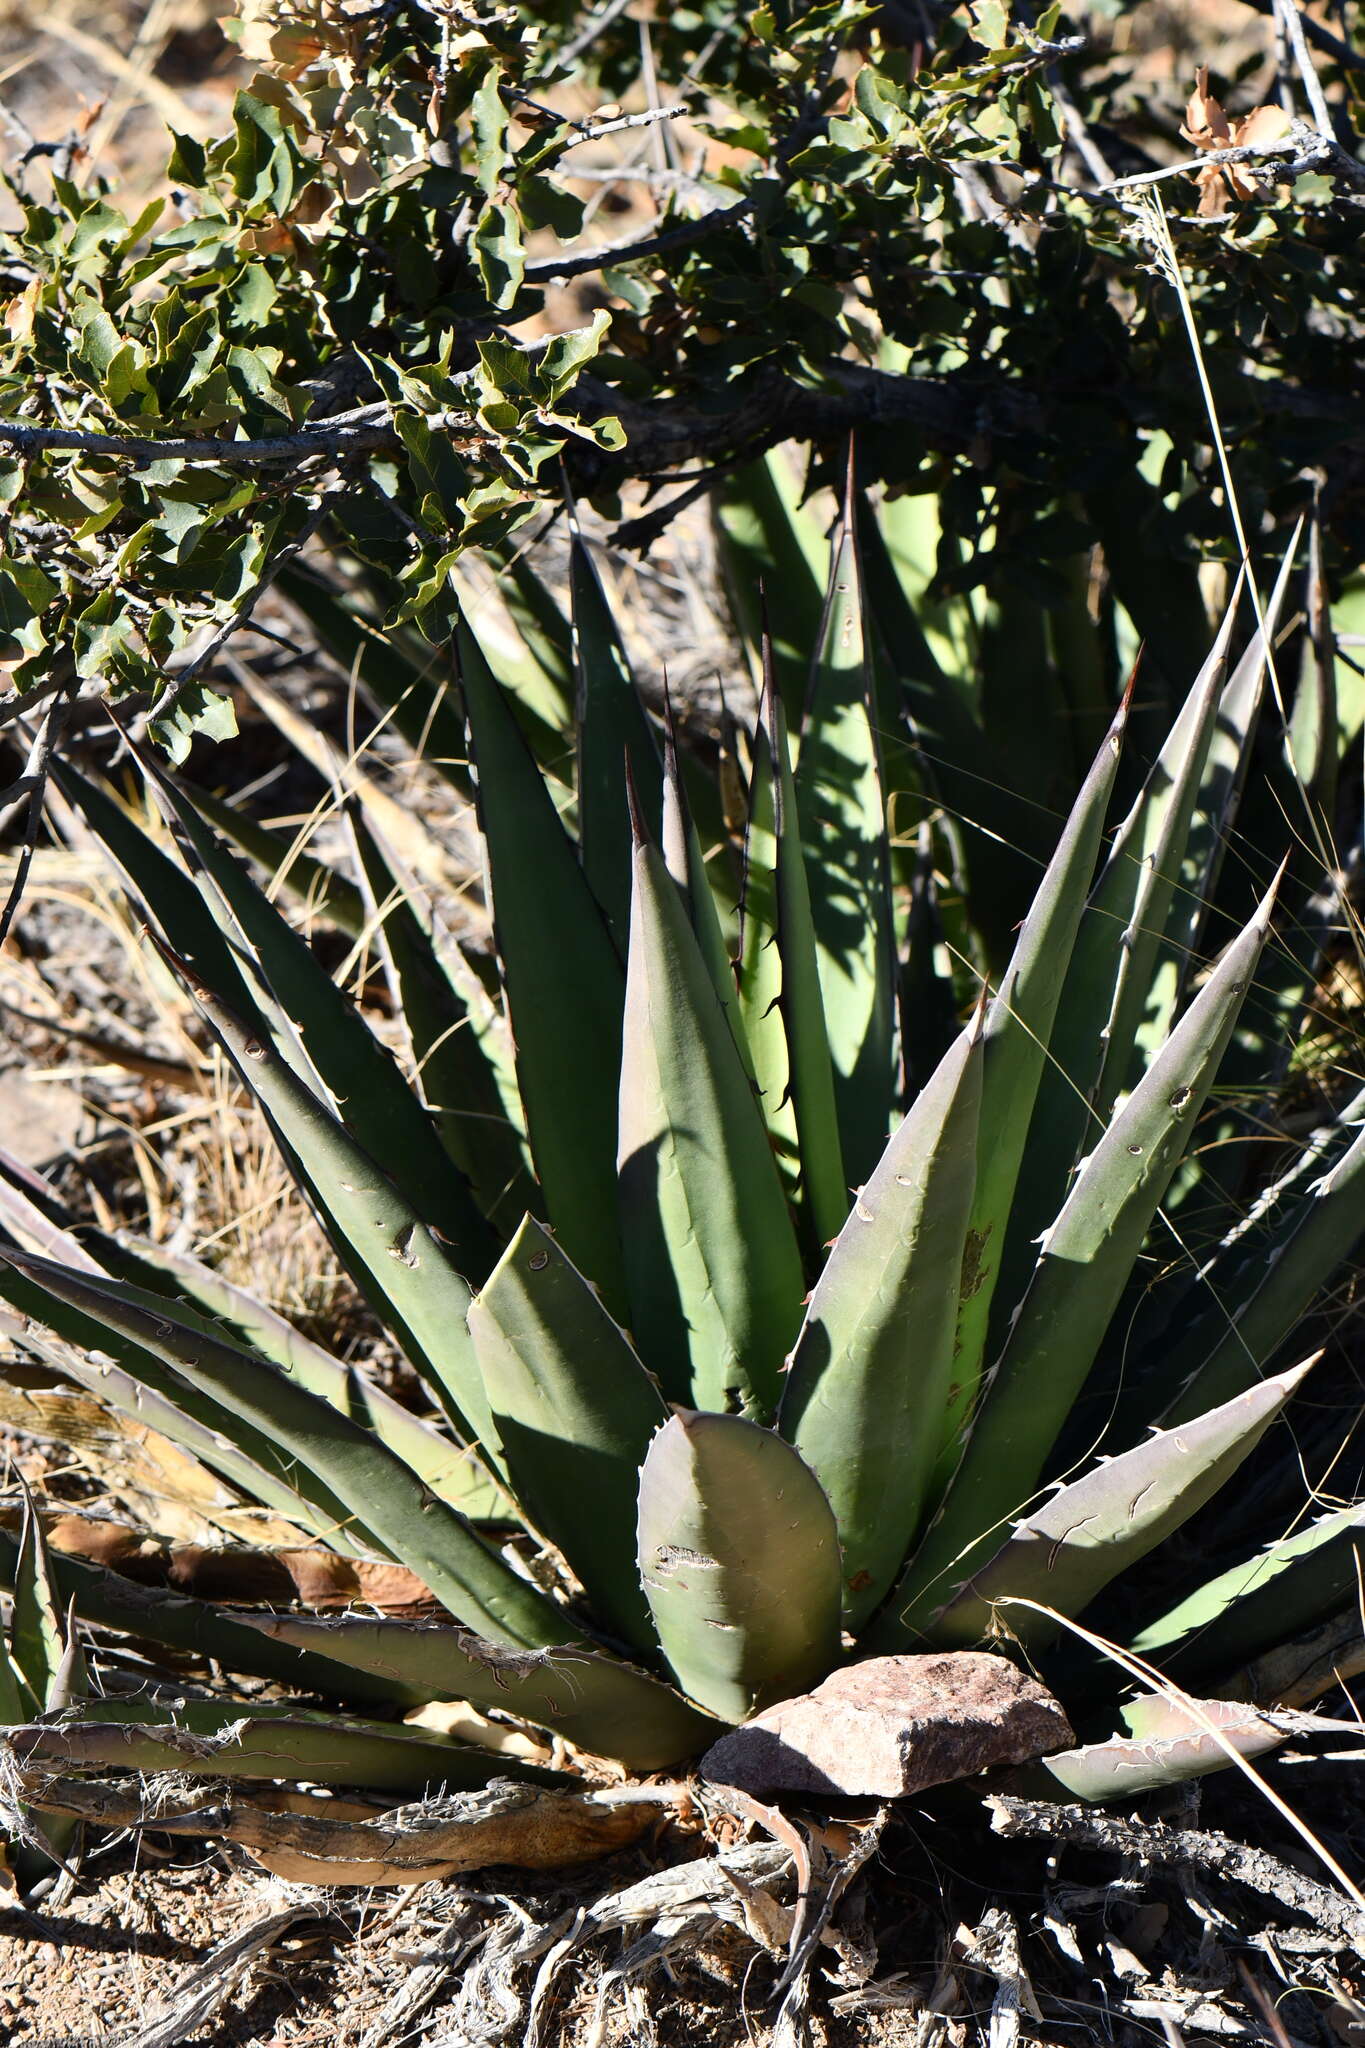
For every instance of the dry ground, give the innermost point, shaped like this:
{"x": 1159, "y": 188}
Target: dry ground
{"x": 949, "y": 1936}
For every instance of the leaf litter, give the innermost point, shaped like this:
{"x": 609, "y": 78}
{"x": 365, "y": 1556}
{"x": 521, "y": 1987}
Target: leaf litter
{"x": 726, "y": 1921}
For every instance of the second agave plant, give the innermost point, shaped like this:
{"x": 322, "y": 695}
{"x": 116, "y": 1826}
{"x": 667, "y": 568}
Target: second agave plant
{"x": 778, "y": 1299}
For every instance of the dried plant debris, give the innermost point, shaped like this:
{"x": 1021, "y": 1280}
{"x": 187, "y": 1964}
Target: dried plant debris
{"x": 837, "y": 1935}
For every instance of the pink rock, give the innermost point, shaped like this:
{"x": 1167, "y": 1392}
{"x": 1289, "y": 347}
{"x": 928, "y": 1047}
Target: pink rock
{"x": 891, "y": 1726}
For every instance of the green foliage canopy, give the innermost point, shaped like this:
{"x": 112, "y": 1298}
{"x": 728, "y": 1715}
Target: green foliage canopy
{"x": 346, "y": 314}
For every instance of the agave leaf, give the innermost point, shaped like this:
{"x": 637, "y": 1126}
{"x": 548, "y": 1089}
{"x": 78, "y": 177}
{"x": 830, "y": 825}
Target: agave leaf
{"x": 401, "y": 1266}
{"x": 529, "y": 653}
{"x": 767, "y": 540}
{"x": 1168, "y": 612}
{"x": 32, "y": 1214}
{"x": 401, "y": 676}
{"x": 931, "y": 735}
{"x": 591, "y": 1700}
{"x": 485, "y": 1017}
{"x": 36, "y": 1639}
{"x": 740, "y": 1561}
{"x": 564, "y": 986}
{"x": 152, "y": 1614}
{"x": 680, "y": 845}
{"x": 1019, "y": 1025}
{"x": 172, "y": 1493}
{"x": 1065, "y": 1553}
{"x": 318, "y": 888}
{"x": 611, "y": 728}
{"x": 1108, "y": 979}
{"x": 380, "y": 1491}
{"x": 544, "y": 632}
{"x": 711, "y": 1257}
{"x": 779, "y": 983}
{"x": 201, "y": 1297}
{"x": 139, "y": 1385}
{"x": 1280, "y": 1592}
{"x": 147, "y": 1270}
{"x": 574, "y": 1410}
{"x": 45, "y": 1667}
{"x": 842, "y": 813}
{"x": 460, "y": 1084}
{"x": 1227, "y": 1343}
{"x": 928, "y": 1003}
{"x": 1225, "y": 773}
{"x": 1185, "y": 1747}
{"x": 16, "y": 1704}
{"x": 872, "y": 1369}
{"x": 236, "y": 1739}
{"x": 304, "y": 1008}
{"x": 934, "y": 740}
{"x": 1086, "y": 1260}
{"x": 159, "y": 883}
{"x": 945, "y": 737}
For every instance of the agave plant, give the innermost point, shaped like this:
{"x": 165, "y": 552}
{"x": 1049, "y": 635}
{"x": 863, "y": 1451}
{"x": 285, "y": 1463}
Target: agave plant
{"x": 781, "y": 1295}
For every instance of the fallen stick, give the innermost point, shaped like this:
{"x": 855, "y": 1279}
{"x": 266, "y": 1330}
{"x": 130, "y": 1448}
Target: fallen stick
{"x": 1204, "y": 1850}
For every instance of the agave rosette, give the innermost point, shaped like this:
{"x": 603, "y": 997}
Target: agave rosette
{"x": 756, "y": 1267}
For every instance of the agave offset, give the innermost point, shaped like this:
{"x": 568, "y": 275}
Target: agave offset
{"x": 781, "y": 1295}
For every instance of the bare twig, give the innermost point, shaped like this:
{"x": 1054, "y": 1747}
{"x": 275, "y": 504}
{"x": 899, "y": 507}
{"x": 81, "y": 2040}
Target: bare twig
{"x": 19, "y": 707}
{"x": 680, "y": 237}
{"x": 1321, "y": 38}
{"x": 1303, "y": 149}
{"x": 354, "y": 437}
{"x": 591, "y": 29}
{"x": 638, "y": 174}
{"x": 642, "y": 531}
{"x": 1078, "y": 134}
{"x": 1288, "y": 15}
{"x": 593, "y": 131}
{"x": 597, "y": 129}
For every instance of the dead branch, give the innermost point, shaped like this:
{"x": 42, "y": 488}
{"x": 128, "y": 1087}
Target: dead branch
{"x": 1302, "y": 150}
{"x": 527, "y": 1826}
{"x": 1206, "y": 1851}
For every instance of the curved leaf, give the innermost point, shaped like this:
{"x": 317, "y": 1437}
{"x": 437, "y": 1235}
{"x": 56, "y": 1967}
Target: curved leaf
{"x": 1093, "y": 1053}
{"x": 767, "y": 540}
{"x": 779, "y": 983}
{"x": 842, "y": 811}
{"x": 564, "y": 985}
{"x": 607, "y": 1708}
{"x": 872, "y": 1370}
{"x": 1281, "y": 1592}
{"x": 156, "y": 1615}
{"x": 711, "y": 1258}
{"x": 740, "y": 1561}
{"x": 1087, "y": 1258}
{"x": 401, "y": 1265}
{"x": 1063, "y": 1554}
{"x": 1186, "y": 1747}
{"x": 380, "y": 1491}
{"x": 1254, "y": 1308}
{"x": 574, "y": 1412}
{"x": 1019, "y": 1024}
{"x": 305, "y": 1009}
{"x": 611, "y": 729}
{"x": 439, "y": 1001}
{"x": 237, "y": 1739}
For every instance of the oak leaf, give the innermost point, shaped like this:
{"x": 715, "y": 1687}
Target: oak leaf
{"x": 1207, "y": 127}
